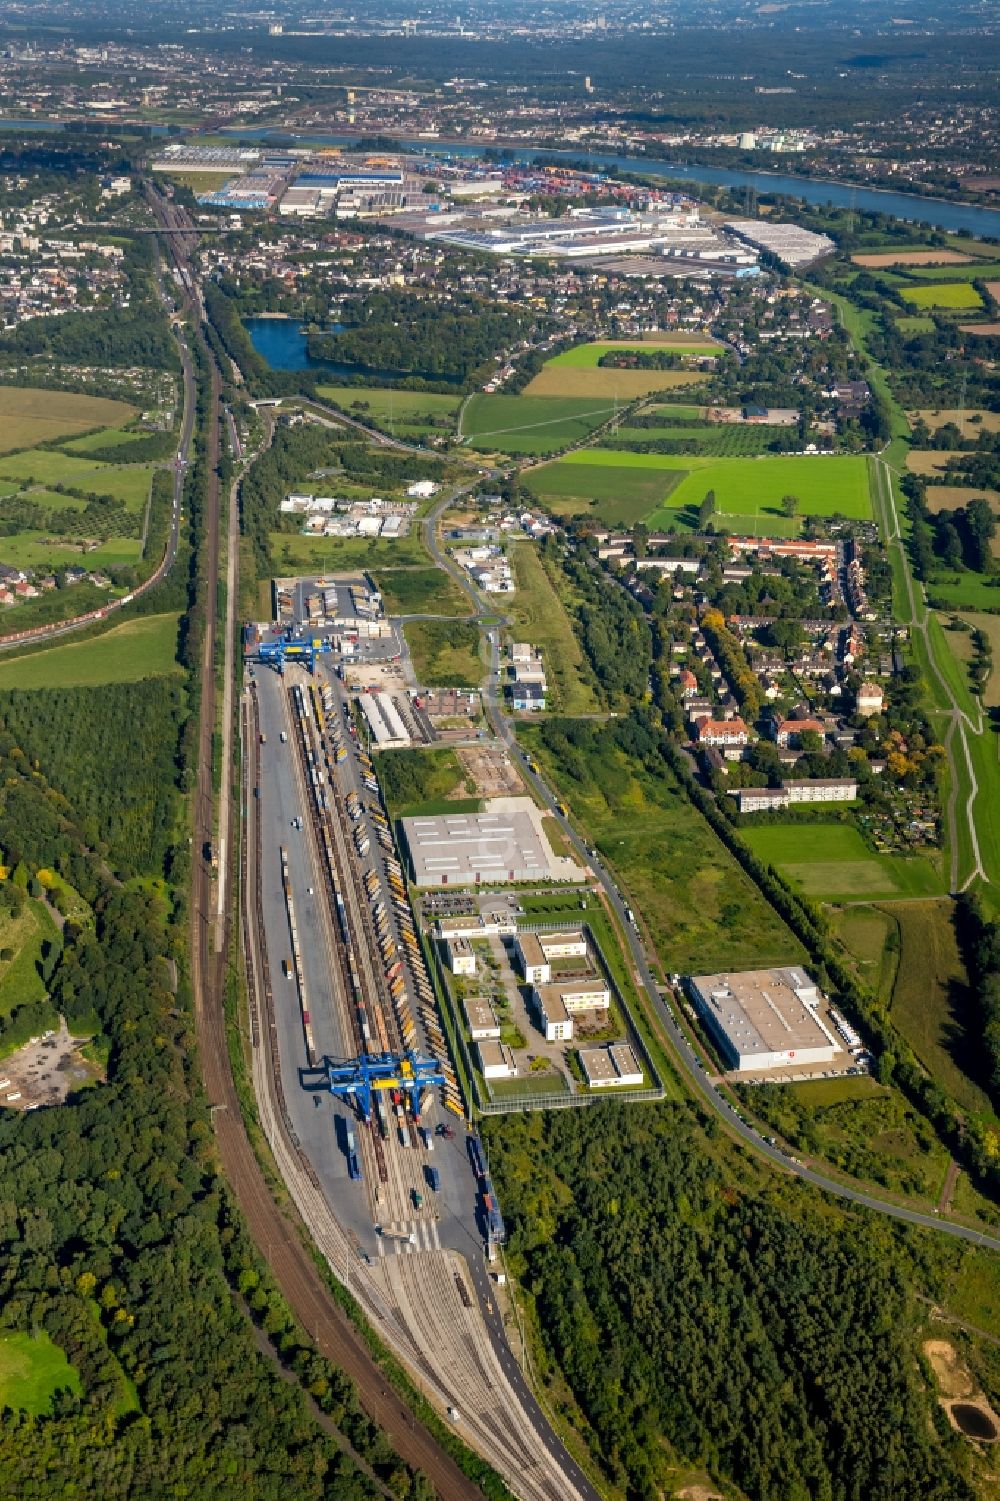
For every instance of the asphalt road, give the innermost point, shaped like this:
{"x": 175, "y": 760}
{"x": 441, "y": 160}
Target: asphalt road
{"x": 685, "y": 1054}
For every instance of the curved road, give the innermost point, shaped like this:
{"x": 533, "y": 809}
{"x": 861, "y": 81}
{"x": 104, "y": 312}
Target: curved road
{"x": 685, "y": 1055}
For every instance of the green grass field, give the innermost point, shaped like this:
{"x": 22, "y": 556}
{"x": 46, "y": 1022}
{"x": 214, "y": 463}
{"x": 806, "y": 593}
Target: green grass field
{"x": 420, "y": 591}
{"x": 108, "y": 438}
{"x": 46, "y": 467}
{"x": 840, "y": 867}
{"x": 31, "y": 415}
{"x": 964, "y": 591}
{"x": 293, "y": 553}
{"x": 532, "y": 424}
{"x": 980, "y": 271}
{"x": 957, "y": 294}
{"x": 406, "y": 413}
{"x": 589, "y": 356}
{"x": 915, "y": 325}
{"x": 872, "y": 940}
{"x": 142, "y": 648}
{"x": 743, "y": 487}
{"x": 445, "y": 653}
{"x": 540, "y": 617}
{"x": 32, "y": 1370}
{"x": 20, "y": 981}
{"x": 38, "y": 550}
{"x": 618, "y": 495}
{"x": 702, "y": 911}
{"x": 931, "y": 998}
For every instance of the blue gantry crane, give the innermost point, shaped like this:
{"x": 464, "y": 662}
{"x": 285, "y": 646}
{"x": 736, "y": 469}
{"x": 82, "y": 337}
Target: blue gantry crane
{"x": 286, "y": 647}
{"x": 410, "y": 1072}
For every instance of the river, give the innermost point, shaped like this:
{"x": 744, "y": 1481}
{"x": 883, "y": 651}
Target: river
{"x": 956, "y": 218}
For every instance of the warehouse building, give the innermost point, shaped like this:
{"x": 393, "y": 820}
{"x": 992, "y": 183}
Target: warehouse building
{"x": 764, "y": 1019}
{"x": 502, "y": 845}
{"x": 387, "y": 728}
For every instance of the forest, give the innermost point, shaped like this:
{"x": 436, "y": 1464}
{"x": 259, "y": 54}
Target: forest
{"x": 120, "y": 786}
{"x": 699, "y": 1319}
{"x": 454, "y": 340}
{"x": 612, "y": 628}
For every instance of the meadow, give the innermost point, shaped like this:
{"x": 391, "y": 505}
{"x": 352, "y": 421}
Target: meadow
{"x": 107, "y": 438}
{"x": 532, "y": 424}
{"x": 20, "y": 979}
{"x": 142, "y": 648}
{"x": 291, "y": 552}
{"x": 29, "y": 415}
{"x": 32, "y": 1370}
{"x": 969, "y": 422}
{"x": 408, "y": 414}
{"x": 539, "y": 616}
{"x": 40, "y": 550}
{"x": 420, "y": 591}
{"x": 931, "y": 1000}
{"x": 702, "y": 911}
{"x": 840, "y": 867}
{"x": 948, "y": 295}
{"x": 44, "y": 467}
{"x": 445, "y": 653}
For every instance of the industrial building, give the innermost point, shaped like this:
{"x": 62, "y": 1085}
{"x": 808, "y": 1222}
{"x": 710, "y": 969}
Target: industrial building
{"x": 764, "y": 1019}
{"x": 612, "y": 1067}
{"x": 501, "y": 845}
{"x": 387, "y": 728}
{"x": 481, "y": 1021}
{"x": 786, "y": 242}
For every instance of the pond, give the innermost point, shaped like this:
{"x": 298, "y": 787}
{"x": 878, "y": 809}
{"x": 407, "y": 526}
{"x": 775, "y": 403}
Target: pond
{"x": 973, "y": 1421}
{"x": 283, "y": 344}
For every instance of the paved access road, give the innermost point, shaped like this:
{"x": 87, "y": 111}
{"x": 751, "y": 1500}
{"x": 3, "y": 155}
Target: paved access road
{"x": 685, "y": 1054}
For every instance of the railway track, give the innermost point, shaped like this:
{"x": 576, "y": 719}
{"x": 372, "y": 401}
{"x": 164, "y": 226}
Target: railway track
{"x": 277, "y": 1234}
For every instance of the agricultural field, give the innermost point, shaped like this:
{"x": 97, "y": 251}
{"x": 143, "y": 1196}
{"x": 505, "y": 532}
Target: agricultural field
{"x": 142, "y": 648}
{"x": 445, "y": 653}
{"x": 702, "y": 911}
{"x": 952, "y": 497}
{"x": 44, "y": 467}
{"x": 420, "y": 591}
{"x": 407, "y": 414}
{"x": 955, "y": 295}
{"x": 931, "y": 1000}
{"x": 589, "y": 356}
{"x": 29, "y": 416}
{"x": 619, "y": 495}
{"x": 876, "y": 262}
{"x": 595, "y": 382}
{"x": 532, "y": 424}
{"x": 975, "y": 271}
{"x": 32, "y": 1370}
{"x": 721, "y": 440}
{"x": 840, "y": 866}
{"x": 984, "y": 330}
{"x": 539, "y": 616}
{"x": 291, "y": 552}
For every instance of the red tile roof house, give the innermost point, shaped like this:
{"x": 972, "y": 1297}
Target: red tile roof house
{"x": 789, "y": 732}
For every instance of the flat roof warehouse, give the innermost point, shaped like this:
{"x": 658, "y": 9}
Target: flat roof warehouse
{"x": 498, "y": 846}
{"x": 765, "y": 1018}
